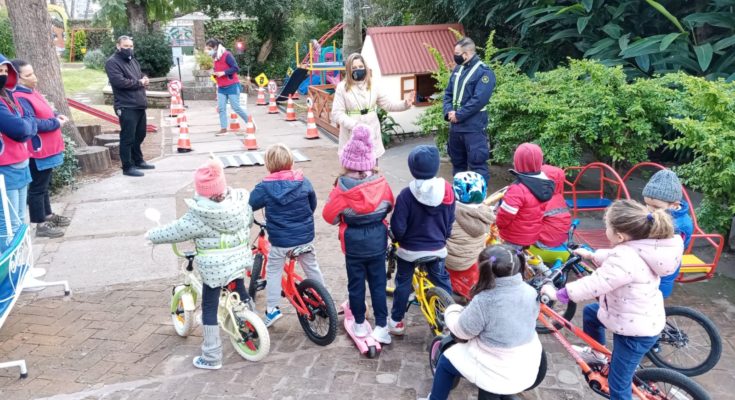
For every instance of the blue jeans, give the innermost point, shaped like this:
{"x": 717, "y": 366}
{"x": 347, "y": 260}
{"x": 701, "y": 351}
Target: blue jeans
{"x": 437, "y": 275}
{"x": 234, "y": 100}
{"x": 372, "y": 269}
{"x": 443, "y": 379}
{"x": 17, "y": 199}
{"x": 210, "y": 301}
{"x": 627, "y": 353}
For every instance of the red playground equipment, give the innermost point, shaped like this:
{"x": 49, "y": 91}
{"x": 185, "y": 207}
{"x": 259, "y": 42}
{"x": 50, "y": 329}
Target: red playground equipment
{"x": 608, "y": 186}
{"x": 103, "y": 115}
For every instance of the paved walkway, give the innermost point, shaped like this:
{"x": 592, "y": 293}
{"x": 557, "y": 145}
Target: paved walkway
{"x": 113, "y": 338}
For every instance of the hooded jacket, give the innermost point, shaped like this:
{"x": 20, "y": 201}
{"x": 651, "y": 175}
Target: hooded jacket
{"x": 469, "y": 231}
{"x": 360, "y": 206}
{"x": 683, "y": 226}
{"x": 424, "y": 214}
{"x": 16, "y": 126}
{"x": 626, "y": 284}
{"x": 221, "y": 232}
{"x": 557, "y": 219}
{"x": 124, "y": 75}
{"x": 289, "y": 201}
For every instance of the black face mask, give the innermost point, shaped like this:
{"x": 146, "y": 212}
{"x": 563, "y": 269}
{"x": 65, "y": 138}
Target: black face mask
{"x": 458, "y": 59}
{"x": 359, "y": 74}
{"x": 126, "y": 53}
{"x": 3, "y": 81}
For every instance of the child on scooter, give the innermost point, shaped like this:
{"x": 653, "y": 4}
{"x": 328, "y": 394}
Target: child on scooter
{"x": 663, "y": 192}
{"x": 359, "y": 203}
{"x": 556, "y": 218}
{"x": 289, "y": 201}
{"x": 421, "y": 223}
{"x": 626, "y": 285}
{"x": 218, "y": 220}
{"x": 502, "y": 354}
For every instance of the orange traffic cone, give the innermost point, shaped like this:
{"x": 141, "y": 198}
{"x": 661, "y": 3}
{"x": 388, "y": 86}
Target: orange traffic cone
{"x": 311, "y": 131}
{"x": 181, "y": 119}
{"x": 261, "y": 97}
{"x": 249, "y": 142}
{"x": 184, "y": 143}
{"x": 272, "y": 109}
{"x": 176, "y": 107}
{"x": 234, "y": 123}
{"x": 290, "y": 112}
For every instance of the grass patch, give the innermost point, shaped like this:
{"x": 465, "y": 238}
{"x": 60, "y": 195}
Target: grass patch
{"x": 83, "y": 80}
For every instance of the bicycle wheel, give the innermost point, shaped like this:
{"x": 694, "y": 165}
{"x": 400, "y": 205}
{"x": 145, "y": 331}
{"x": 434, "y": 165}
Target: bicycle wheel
{"x": 320, "y": 325}
{"x": 541, "y": 375}
{"x": 255, "y": 276}
{"x": 253, "y": 342}
{"x": 690, "y": 342}
{"x": 660, "y": 384}
{"x": 438, "y": 300}
{"x": 183, "y": 320}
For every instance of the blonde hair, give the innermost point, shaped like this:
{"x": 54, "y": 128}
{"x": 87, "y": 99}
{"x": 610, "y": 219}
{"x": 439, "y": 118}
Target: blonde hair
{"x": 348, "y": 71}
{"x": 278, "y": 157}
{"x": 632, "y": 218}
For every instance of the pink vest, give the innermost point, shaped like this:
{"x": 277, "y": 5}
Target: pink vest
{"x": 12, "y": 152}
{"x": 221, "y": 65}
{"x": 48, "y": 143}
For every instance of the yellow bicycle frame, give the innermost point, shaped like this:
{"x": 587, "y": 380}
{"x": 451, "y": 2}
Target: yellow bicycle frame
{"x": 421, "y": 284}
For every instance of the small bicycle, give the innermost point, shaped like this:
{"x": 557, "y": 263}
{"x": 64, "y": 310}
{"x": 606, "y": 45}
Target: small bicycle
{"x": 313, "y": 303}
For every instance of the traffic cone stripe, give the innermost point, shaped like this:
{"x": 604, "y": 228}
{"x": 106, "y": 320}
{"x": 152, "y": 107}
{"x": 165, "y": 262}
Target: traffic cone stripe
{"x": 183, "y": 144}
{"x": 272, "y": 109}
{"x": 261, "y": 97}
{"x": 234, "y": 123}
{"x": 311, "y": 130}
{"x": 249, "y": 142}
{"x": 290, "y": 112}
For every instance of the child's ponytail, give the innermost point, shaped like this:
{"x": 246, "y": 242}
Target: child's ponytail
{"x": 662, "y": 226}
{"x": 497, "y": 261}
{"x": 633, "y": 219}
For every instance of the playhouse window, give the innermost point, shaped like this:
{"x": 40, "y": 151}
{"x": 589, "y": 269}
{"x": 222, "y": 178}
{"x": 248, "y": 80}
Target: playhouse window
{"x": 423, "y": 84}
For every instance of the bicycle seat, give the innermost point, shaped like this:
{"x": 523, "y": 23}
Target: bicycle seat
{"x": 426, "y": 260}
{"x": 297, "y": 251}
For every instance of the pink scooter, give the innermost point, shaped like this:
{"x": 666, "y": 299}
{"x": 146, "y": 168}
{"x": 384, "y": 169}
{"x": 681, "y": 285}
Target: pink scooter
{"x": 367, "y": 345}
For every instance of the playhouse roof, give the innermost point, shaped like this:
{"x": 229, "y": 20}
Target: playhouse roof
{"x": 402, "y": 49}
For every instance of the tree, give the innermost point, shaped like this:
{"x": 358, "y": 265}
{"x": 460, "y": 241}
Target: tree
{"x": 352, "y": 42}
{"x": 31, "y": 27}
{"x": 141, "y": 16}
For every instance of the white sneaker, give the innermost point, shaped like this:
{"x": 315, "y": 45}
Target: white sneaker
{"x": 396, "y": 328}
{"x": 360, "y": 330}
{"x": 590, "y": 356}
{"x": 381, "y": 334}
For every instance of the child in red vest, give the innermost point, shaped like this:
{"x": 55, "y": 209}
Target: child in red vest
{"x": 557, "y": 219}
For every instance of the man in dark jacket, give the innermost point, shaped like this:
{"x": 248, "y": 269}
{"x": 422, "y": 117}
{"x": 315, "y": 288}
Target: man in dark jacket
{"x": 128, "y": 87}
{"x": 465, "y": 99}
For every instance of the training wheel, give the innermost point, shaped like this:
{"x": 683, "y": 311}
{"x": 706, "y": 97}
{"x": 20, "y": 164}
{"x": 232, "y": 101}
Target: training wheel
{"x": 372, "y": 352}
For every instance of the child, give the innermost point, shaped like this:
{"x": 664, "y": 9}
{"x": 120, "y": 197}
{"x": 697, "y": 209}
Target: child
{"x": 218, "y": 221}
{"x": 421, "y": 223}
{"x": 663, "y": 191}
{"x": 556, "y": 218}
{"x": 503, "y": 353}
{"x": 521, "y": 212}
{"x": 289, "y": 202}
{"x": 471, "y": 224}
{"x": 359, "y": 202}
{"x": 626, "y": 285}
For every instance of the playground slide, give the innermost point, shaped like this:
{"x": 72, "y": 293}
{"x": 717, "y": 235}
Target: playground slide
{"x": 292, "y": 84}
{"x": 103, "y": 115}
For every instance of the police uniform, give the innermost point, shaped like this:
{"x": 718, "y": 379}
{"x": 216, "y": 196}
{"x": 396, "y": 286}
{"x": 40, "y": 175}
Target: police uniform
{"x": 468, "y": 94}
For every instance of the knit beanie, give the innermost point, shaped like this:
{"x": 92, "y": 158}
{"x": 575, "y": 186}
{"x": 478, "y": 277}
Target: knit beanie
{"x": 664, "y": 185}
{"x": 357, "y": 155}
{"x": 423, "y": 162}
{"x": 209, "y": 179}
{"x": 528, "y": 158}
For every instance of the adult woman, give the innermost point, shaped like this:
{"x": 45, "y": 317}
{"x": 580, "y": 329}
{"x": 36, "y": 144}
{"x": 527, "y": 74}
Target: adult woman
{"x": 47, "y": 152}
{"x": 15, "y": 130}
{"x": 228, "y": 83}
{"x": 355, "y": 101}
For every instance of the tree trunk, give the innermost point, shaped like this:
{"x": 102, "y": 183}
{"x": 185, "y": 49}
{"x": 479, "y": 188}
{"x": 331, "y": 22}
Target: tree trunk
{"x": 86, "y": 10}
{"x": 73, "y": 14}
{"x": 31, "y": 27}
{"x": 137, "y": 16}
{"x": 265, "y": 50}
{"x": 352, "y": 39}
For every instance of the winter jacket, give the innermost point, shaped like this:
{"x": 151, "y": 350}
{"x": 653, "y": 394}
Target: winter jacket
{"x": 346, "y": 108}
{"x": 124, "y": 76}
{"x": 16, "y": 128}
{"x": 684, "y": 227}
{"x": 49, "y": 141}
{"x": 556, "y": 218}
{"x": 626, "y": 284}
{"x": 360, "y": 206}
{"x": 289, "y": 202}
{"x": 221, "y": 232}
{"x": 503, "y": 351}
{"x": 424, "y": 214}
{"x": 521, "y": 213}
{"x": 471, "y": 114}
{"x": 226, "y": 63}
{"x": 471, "y": 225}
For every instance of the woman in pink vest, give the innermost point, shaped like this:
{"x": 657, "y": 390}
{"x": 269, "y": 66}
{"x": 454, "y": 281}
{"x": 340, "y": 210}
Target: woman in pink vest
{"x": 47, "y": 152}
{"x": 228, "y": 83}
{"x": 16, "y": 128}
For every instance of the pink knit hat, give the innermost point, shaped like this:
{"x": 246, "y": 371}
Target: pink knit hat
{"x": 357, "y": 155}
{"x": 209, "y": 179}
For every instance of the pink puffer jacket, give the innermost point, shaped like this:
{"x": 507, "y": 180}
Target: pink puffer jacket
{"x": 626, "y": 284}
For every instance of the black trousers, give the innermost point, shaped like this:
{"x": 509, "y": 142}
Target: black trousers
{"x": 132, "y": 134}
{"x": 39, "y": 201}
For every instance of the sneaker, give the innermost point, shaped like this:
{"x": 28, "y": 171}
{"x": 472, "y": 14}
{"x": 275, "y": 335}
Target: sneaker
{"x": 144, "y": 165}
{"x": 49, "y": 230}
{"x": 58, "y": 220}
{"x": 591, "y": 357}
{"x": 396, "y": 328}
{"x": 222, "y": 132}
{"x": 132, "y": 171}
{"x": 272, "y": 316}
{"x": 360, "y": 330}
{"x": 381, "y": 334}
{"x": 200, "y": 362}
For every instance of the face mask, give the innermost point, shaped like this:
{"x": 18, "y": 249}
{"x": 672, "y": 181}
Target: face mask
{"x": 127, "y": 53}
{"x": 359, "y": 74}
{"x": 3, "y": 81}
{"x": 458, "y": 59}
{"x": 212, "y": 53}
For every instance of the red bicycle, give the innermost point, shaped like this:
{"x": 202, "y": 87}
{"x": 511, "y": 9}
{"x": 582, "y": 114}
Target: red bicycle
{"x": 313, "y": 303}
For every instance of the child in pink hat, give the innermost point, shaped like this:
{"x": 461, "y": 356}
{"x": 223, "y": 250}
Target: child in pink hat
{"x": 218, "y": 220}
{"x": 359, "y": 203}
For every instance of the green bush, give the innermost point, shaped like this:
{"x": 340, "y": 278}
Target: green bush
{"x": 7, "y": 48}
{"x": 80, "y": 45}
{"x": 153, "y": 53}
{"x": 65, "y": 175}
{"x": 95, "y": 59}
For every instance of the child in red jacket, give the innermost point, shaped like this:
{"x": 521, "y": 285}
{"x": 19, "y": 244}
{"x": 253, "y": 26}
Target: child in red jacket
{"x": 557, "y": 219}
{"x": 521, "y": 213}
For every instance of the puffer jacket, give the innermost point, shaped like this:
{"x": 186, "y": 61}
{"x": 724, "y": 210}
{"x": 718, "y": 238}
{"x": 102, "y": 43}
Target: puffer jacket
{"x": 471, "y": 225}
{"x": 557, "y": 219}
{"x": 221, "y": 233}
{"x": 360, "y": 206}
{"x": 626, "y": 284}
{"x": 424, "y": 214}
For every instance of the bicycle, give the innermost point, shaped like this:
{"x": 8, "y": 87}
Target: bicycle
{"x": 311, "y": 300}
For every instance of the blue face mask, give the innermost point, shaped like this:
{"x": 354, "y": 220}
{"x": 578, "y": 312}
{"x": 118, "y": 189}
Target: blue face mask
{"x": 212, "y": 53}
{"x": 359, "y": 74}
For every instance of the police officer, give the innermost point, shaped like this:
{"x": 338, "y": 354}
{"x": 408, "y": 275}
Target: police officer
{"x": 465, "y": 101}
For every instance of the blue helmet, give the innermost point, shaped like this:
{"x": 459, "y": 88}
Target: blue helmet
{"x": 470, "y": 187}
